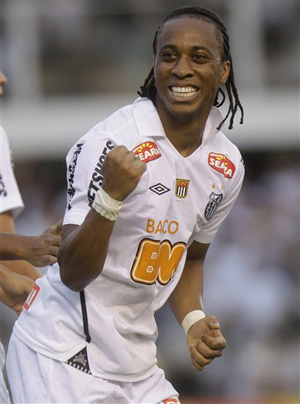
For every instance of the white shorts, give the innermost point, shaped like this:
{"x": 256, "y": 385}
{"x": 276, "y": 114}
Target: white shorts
{"x": 35, "y": 378}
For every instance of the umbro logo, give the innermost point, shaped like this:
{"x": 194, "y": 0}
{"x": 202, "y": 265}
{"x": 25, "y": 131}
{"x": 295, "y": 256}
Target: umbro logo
{"x": 159, "y": 189}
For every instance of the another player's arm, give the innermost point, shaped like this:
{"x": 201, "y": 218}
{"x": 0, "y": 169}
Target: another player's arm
{"x": 14, "y": 288}
{"x": 13, "y": 246}
{"x": 204, "y": 339}
{"x": 27, "y": 252}
{"x": 84, "y": 248}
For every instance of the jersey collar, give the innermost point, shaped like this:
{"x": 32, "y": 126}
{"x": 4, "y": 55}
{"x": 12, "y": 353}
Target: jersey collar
{"x": 149, "y": 124}
{"x": 214, "y": 119}
{"x": 147, "y": 119}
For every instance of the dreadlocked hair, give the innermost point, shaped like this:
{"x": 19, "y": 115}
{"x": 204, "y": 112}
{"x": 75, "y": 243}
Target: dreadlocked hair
{"x": 148, "y": 89}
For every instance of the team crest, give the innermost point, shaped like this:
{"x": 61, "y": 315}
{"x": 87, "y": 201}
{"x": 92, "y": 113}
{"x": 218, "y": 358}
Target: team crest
{"x": 212, "y": 206}
{"x": 181, "y": 188}
{"x": 3, "y": 191}
{"x": 147, "y": 151}
{"x": 222, "y": 164}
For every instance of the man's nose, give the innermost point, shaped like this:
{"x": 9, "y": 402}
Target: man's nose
{"x": 182, "y": 68}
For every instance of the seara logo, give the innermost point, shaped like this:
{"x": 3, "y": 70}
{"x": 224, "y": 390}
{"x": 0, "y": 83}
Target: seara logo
{"x": 147, "y": 151}
{"x": 222, "y": 164}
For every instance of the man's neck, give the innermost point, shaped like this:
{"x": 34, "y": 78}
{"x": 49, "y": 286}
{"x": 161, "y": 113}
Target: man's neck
{"x": 185, "y": 133}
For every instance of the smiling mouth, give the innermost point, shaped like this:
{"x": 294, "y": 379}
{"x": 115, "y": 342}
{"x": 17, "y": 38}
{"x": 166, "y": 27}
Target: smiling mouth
{"x": 184, "y": 92}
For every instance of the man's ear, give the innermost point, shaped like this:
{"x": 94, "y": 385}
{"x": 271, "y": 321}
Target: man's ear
{"x": 226, "y": 71}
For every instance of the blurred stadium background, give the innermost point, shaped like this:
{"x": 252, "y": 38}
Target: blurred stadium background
{"x": 70, "y": 63}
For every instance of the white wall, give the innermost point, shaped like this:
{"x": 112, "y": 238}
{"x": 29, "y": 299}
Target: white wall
{"x": 48, "y": 128}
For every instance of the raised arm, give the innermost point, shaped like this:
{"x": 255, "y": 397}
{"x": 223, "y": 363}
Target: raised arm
{"x": 204, "y": 338}
{"x": 84, "y": 248}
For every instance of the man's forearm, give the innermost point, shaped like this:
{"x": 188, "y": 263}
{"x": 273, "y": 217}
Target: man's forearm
{"x": 187, "y": 296}
{"x": 14, "y": 246}
{"x": 83, "y": 251}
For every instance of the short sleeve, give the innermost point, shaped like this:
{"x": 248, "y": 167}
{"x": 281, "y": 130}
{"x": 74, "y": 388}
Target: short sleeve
{"x": 208, "y": 231}
{"x": 84, "y": 174}
{"x": 10, "y": 197}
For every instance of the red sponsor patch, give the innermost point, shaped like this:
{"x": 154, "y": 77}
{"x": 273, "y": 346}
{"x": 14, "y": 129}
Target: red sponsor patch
{"x": 31, "y": 297}
{"x": 222, "y": 164}
{"x": 147, "y": 151}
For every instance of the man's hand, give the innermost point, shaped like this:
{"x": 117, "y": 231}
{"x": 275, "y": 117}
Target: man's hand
{"x": 42, "y": 250}
{"x": 122, "y": 171}
{"x": 205, "y": 342}
{"x": 14, "y": 288}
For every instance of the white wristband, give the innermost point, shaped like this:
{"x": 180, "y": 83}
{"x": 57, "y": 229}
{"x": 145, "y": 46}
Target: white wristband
{"x": 106, "y": 206}
{"x": 191, "y": 318}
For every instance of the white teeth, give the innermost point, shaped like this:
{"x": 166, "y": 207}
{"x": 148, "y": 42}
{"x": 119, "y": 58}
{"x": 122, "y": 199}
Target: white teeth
{"x": 183, "y": 91}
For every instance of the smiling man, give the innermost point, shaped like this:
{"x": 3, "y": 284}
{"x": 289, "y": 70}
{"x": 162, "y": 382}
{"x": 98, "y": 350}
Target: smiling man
{"x": 188, "y": 71}
{"x": 148, "y": 188}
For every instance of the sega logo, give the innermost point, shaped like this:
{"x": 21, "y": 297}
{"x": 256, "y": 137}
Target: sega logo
{"x": 221, "y": 164}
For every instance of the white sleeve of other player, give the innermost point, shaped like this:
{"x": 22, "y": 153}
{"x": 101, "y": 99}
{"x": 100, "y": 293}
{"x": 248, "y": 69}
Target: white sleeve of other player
{"x": 10, "y": 197}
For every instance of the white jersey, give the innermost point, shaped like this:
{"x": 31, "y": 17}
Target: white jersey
{"x": 177, "y": 201}
{"x": 10, "y": 200}
{"x": 10, "y": 197}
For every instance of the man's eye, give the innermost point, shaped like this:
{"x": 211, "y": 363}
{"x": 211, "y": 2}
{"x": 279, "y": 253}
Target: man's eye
{"x": 168, "y": 55}
{"x": 200, "y": 57}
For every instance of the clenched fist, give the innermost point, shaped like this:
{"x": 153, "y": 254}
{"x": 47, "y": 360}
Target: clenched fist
{"x": 122, "y": 171}
{"x": 205, "y": 342}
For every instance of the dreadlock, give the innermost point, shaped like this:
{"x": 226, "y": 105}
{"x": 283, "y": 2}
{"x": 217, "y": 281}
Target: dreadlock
{"x": 148, "y": 89}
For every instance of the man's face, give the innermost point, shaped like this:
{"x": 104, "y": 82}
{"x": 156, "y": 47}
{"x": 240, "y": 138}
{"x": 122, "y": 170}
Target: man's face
{"x": 188, "y": 67}
{"x": 3, "y": 80}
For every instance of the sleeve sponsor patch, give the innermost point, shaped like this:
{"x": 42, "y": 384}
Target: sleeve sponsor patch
{"x": 222, "y": 164}
{"x": 97, "y": 176}
{"x": 71, "y": 174}
{"x": 31, "y": 297}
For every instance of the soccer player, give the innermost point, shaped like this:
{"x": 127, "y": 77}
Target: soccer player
{"x": 148, "y": 189}
{"x": 18, "y": 276}
{"x": 22, "y": 254}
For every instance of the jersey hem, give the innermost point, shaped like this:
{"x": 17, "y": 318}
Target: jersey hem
{"x": 32, "y": 344}
{"x": 204, "y": 240}
{"x": 117, "y": 377}
{"x": 64, "y": 356}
